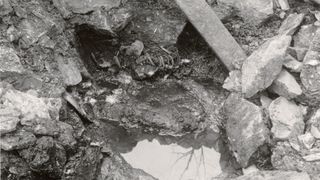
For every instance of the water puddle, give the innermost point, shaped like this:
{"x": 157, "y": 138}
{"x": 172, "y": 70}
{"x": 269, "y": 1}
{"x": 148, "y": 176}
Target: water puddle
{"x": 188, "y": 157}
{"x": 173, "y": 161}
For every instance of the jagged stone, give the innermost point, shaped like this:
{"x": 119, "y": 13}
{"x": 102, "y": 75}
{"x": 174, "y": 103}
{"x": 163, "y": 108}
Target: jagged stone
{"x": 233, "y": 82}
{"x": 17, "y": 140}
{"x": 10, "y": 62}
{"x": 264, "y": 65}
{"x": 286, "y": 117}
{"x": 292, "y": 64}
{"x": 285, "y": 85}
{"x": 298, "y": 53}
{"x": 245, "y": 127}
{"x": 307, "y": 140}
{"x": 304, "y": 36}
{"x": 252, "y": 10}
{"x": 312, "y": 157}
{"x": 284, "y": 4}
{"x": 290, "y": 24}
{"x": 69, "y": 70}
{"x": 9, "y": 118}
{"x": 5, "y": 7}
{"x": 265, "y": 101}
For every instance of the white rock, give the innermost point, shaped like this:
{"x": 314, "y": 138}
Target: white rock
{"x": 286, "y": 85}
{"x": 265, "y": 101}
{"x": 264, "y": 65}
{"x": 284, "y": 4}
{"x": 307, "y": 140}
{"x": 312, "y": 157}
{"x": 9, "y": 61}
{"x": 9, "y": 118}
{"x": 286, "y": 117}
{"x": 290, "y": 24}
{"x": 315, "y": 131}
{"x": 69, "y": 70}
{"x": 292, "y": 64}
{"x": 233, "y": 82}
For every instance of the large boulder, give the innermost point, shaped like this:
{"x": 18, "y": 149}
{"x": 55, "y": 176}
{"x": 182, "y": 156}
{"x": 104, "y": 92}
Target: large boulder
{"x": 264, "y": 65}
{"x": 246, "y": 129}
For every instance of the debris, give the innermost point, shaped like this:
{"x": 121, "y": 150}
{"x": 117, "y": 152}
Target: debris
{"x": 265, "y": 101}
{"x": 264, "y": 65}
{"x": 285, "y": 85}
{"x": 253, "y": 11}
{"x": 145, "y": 71}
{"x": 286, "y": 117}
{"x": 292, "y": 64}
{"x": 69, "y": 70}
{"x": 245, "y": 127}
{"x": 17, "y": 140}
{"x": 135, "y": 49}
{"x": 290, "y": 24}
{"x": 214, "y": 32}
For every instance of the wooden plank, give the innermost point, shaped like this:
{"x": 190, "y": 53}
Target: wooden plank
{"x": 213, "y": 31}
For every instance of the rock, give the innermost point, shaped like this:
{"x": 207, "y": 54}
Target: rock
{"x": 285, "y": 158}
{"x": 251, "y": 10}
{"x": 119, "y": 18}
{"x": 9, "y": 118}
{"x": 286, "y": 117}
{"x": 135, "y": 49}
{"x": 284, "y": 4}
{"x": 316, "y": 1}
{"x": 315, "y": 131}
{"x": 17, "y": 140}
{"x": 304, "y": 36}
{"x": 115, "y": 167}
{"x": 275, "y": 175}
{"x": 292, "y": 64}
{"x": 13, "y": 166}
{"x": 5, "y": 7}
{"x": 310, "y": 74}
{"x": 307, "y": 140}
{"x": 290, "y": 24}
{"x": 35, "y": 113}
{"x": 156, "y": 24}
{"x": 10, "y": 62}
{"x": 66, "y": 137}
{"x": 312, "y": 157}
{"x": 245, "y": 127}
{"x": 314, "y": 122}
{"x": 264, "y": 65}
{"x": 265, "y": 101}
{"x": 46, "y": 157}
{"x": 285, "y": 85}
{"x": 86, "y": 6}
{"x": 69, "y": 70}
{"x": 298, "y": 53}
{"x": 233, "y": 82}
{"x": 172, "y": 107}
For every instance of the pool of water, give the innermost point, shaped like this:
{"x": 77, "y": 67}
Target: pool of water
{"x": 197, "y": 157}
{"x": 173, "y": 161}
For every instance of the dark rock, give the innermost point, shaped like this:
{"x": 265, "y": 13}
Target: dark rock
{"x": 290, "y": 24}
{"x": 5, "y": 7}
{"x": 264, "y": 65}
{"x": 66, "y": 137}
{"x": 286, "y": 117}
{"x": 86, "y": 6}
{"x": 13, "y": 166}
{"x": 46, "y": 157}
{"x": 17, "y": 140}
{"x": 115, "y": 167}
{"x": 245, "y": 127}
